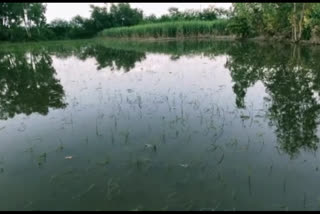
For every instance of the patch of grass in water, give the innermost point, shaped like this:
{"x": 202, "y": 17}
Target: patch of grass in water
{"x": 105, "y": 162}
{"x": 42, "y": 159}
{"x": 112, "y": 189}
{"x": 85, "y": 192}
{"x": 60, "y": 147}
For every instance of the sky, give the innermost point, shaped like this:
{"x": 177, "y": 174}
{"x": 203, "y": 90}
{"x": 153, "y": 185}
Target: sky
{"x": 68, "y": 10}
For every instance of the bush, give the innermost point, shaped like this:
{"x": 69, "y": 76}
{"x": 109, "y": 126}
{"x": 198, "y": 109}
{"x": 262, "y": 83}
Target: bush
{"x": 239, "y": 26}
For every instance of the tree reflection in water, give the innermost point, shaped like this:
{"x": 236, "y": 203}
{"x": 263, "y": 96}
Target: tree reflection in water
{"x": 291, "y": 77}
{"x": 289, "y": 72}
{"x": 114, "y": 58}
{"x": 28, "y": 84}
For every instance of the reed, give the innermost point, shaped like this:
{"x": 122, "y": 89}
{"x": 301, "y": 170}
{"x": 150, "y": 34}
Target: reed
{"x": 170, "y": 30}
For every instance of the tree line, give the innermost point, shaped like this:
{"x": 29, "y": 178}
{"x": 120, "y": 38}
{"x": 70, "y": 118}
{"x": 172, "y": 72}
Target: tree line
{"x": 293, "y": 21}
{"x": 27, "y": 21}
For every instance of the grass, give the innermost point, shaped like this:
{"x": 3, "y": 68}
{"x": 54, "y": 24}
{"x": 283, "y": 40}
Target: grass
{"x": 170, "y": 30}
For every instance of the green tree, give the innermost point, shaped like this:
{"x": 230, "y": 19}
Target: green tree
{"x": 17, "y": 16}
{"x": 61, "y": 28}
{"x": 123, "y": 15}
{"x": 100, "y": 17}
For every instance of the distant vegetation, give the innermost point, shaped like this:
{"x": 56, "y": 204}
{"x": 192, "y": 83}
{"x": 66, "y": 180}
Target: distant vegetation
{"x": 170, "y": 29}
{"x": 27, "y": 22}
{"x": 290, "y": 21}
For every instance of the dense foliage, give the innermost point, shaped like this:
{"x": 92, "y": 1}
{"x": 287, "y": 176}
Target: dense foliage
{"x": 26, "y": 21}
{"x": 290, "y": 21}
{"x": 16, "y": 26}
{"x": 294, "y": 21}
{"x": 208, "y": 14}
{"x": 20, "y": 21}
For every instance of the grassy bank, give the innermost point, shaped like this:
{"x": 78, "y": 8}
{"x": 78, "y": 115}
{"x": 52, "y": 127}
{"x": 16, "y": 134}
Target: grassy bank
{"x": 170, "y": 30}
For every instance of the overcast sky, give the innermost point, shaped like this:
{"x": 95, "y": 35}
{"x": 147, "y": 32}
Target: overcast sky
{"x": 69, "y": 10}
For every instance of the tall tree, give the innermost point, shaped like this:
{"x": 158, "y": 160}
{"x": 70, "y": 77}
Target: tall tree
{"x": 123, "y": 15}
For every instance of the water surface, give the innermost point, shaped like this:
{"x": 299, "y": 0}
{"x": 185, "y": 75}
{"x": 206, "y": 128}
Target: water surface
{"x": 188, "y": 125}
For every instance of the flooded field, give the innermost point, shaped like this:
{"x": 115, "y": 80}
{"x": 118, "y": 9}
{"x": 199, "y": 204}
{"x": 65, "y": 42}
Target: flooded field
{"x": 188, "y": 125}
